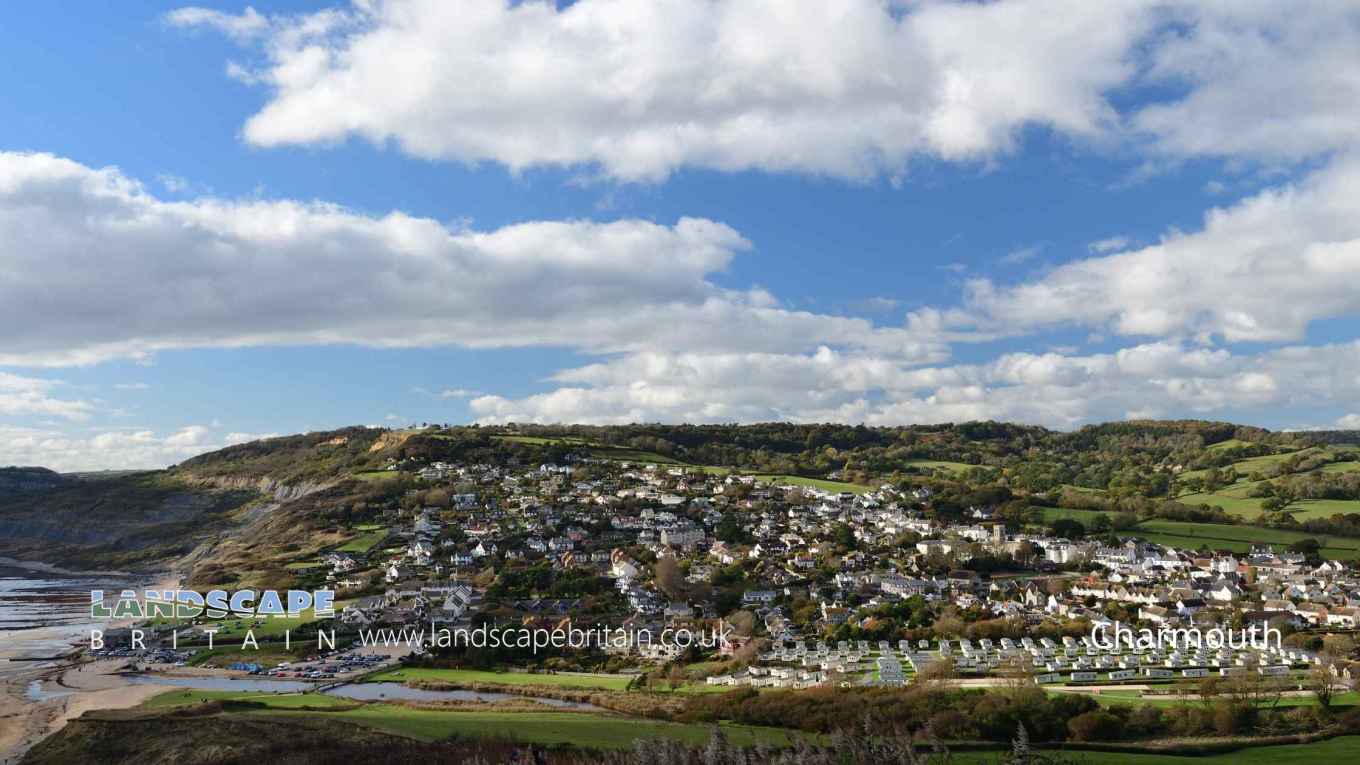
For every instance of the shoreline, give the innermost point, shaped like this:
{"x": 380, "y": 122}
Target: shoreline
{"x": 84, "y": 684}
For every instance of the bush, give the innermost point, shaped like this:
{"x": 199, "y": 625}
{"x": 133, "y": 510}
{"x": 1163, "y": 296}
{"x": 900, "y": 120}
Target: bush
{"x": 1094, "y": 726}
{"x": 1231, "y": 718}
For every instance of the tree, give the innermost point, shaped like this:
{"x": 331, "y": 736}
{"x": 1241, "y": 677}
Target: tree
{"x": 1322, "y": 683}
{"x": 1100, "y": 525}
{"x": 1097, "y": 725}
{"x": 729, "y": 530}
{"x": 676, "y": 678}
{"x": 844, "y": 536}
{"x": 1209, "y": 689}
{"x": 1068, "y": 528}
{"x": 1232, "y": 717}
{"x": 668, "y": 577}
{"x": 743, "y": 623}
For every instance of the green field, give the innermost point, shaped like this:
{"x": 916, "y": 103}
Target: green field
{"x": 1052, "y": 514}
{"x": 1340, "y": 467}
{"x": 544, "y": 441}
{"x": 1252, "y": 464}
{"x": 1308, "y": 509}
{"x": 1236, "y": 498}
{"x": 1231, "y": 443}
{"x": 544, "y": 728}
{"x": 547, "y": 728}
{"x": 191, "y": 696}
{"x": 1341, "y": 749}
{"x": 1235, "y": 501}
{"x": 599, "y": 451}
{"x": 816, "y": 483}
{"x": 364, "y": 542}
{"x": 1239, "y": 538}
{"x": 379, "y": 475}
{"x": 952, "y": 467}
{"x": 472, "y": 677}
{"x": 617, "y": 732}
{"x": 232, "y": 630}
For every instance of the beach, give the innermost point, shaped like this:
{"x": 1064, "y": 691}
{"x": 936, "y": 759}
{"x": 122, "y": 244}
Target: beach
{"x": 66, "y": 693}
{"x": 38, "y": 697}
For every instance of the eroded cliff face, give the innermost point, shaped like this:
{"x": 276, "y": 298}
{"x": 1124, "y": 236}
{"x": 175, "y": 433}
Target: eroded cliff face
{"x": 237, "y": 513}
{"x": 286, "y": 522}
{"x": 136, "y": 522}
{"x": 277, "y": 490}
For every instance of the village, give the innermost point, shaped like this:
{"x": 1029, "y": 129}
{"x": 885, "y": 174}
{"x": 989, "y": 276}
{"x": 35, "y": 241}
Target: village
{"x": 820, "y": 586}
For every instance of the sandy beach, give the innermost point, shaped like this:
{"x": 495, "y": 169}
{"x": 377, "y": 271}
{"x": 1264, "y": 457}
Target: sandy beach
{"x": 67, "y": 693}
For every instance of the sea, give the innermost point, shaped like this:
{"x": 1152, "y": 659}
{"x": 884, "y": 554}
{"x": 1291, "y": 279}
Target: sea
{"x": 42, "y": 612}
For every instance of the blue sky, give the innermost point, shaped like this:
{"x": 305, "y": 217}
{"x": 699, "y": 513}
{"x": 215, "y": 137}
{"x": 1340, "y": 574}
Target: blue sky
{"x": 219, "y": 221}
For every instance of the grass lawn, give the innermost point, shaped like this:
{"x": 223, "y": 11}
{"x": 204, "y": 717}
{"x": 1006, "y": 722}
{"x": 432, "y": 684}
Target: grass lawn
{"x": 191, "y": 696}
{"x": 365, "y": 541}
{"x": 471, "y": 676}
{"x": 265, "y": 627}
{"x": 545, "y": 728}
{"x": 268, "y": 654}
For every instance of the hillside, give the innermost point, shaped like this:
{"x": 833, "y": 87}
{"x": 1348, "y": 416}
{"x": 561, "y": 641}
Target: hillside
{"x": 243, "y": 513}
{"x": 127, "y": 522}
{"x": 28, "y": 480}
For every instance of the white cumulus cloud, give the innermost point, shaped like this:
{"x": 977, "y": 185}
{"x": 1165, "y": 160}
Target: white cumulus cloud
{"x": 124, "y": 274}
{"x": 848, "y": 88}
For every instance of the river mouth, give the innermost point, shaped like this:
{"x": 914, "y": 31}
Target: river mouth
{"x": 385, "y": 691}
